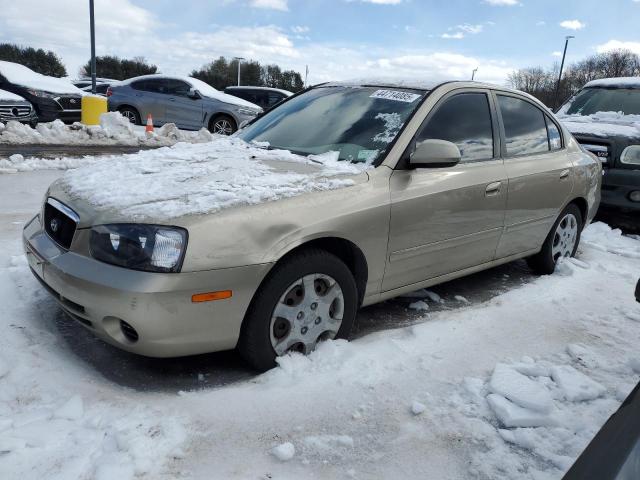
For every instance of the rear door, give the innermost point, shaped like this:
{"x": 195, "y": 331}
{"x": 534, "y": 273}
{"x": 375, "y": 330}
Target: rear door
{"x": 444, "y": 220}
{"x": 182, "y": 110}
{"x": 539, "y": 171}
{"x": 149, "y": 98}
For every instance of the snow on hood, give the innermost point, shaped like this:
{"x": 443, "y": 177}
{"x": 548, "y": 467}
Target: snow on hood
{"x": 620, "y": 82}
{"x": 196, "y": 179}
{"x": 25, "y": 77}
{"x": 603, "y": 124}
{"x": 8, "y": 96}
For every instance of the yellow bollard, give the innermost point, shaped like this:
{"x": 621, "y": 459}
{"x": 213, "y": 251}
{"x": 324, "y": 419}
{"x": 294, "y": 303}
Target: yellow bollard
{"x": 92, "y": 107}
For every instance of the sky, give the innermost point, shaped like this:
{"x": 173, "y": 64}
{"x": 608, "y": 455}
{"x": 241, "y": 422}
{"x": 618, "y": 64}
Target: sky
{"x": 337, "y": 39}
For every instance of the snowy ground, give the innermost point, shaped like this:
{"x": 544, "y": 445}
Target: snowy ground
{"x": 114, "y": 129}
{"x": 478, "y": 385}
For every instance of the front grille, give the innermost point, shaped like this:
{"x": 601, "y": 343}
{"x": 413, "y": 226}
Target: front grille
{"x": 60, "y": 222}
{"x": 11, "y": 112}
{"x": 71, "y": 102}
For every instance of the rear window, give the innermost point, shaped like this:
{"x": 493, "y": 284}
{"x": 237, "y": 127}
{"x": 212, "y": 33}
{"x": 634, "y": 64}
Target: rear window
{"x": 525, "y": 127}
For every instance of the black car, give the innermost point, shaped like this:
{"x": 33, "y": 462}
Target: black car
{"x": 605, "y": 118}
{"x": 53, "y": 98}
{"x": 264, "y": 97}
{"x": 14, "y": 107}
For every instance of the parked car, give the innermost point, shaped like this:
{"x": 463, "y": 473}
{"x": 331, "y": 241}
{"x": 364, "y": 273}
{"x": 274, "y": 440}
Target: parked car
{"x": 605, "y": 119}
{"x": 14, "y": 107}
{"x": 454, "y": 178}
{"x": 264, "y": 97}
{"x": 53, "y": 98}
{"x": 614, "y": 453}
{"x": 188, "y": 102}
{"x": 85, "y": 82}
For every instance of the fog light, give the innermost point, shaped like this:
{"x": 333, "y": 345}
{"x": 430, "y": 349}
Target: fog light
{"x": 635, "y": 196}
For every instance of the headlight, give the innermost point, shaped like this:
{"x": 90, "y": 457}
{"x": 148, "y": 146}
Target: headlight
{"x": 42, "y": 94}
{"x": 248, "y": 111}
{"x": 151, "y": 248}
{"x": 631, "y": 155}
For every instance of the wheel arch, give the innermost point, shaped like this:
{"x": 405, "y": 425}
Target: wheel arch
{"x": 583, "y": 206}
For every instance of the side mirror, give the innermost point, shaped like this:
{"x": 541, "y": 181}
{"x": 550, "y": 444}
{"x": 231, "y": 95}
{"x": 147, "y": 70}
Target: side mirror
{"x": 435, "y": 154}
{"x": 193, "y": 93}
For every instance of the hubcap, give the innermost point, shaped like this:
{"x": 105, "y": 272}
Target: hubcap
{"x": 310, "y": 310}
{"x": 129, "y": 115}
{"x": 564, "y": 239}
{"x": 223, "y": 127}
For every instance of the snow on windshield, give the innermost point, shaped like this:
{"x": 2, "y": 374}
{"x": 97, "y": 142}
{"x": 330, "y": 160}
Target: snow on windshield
{"x": 195, "y": 179}
{"x": 23, "y": 76}
{"x": 392, "y": 125}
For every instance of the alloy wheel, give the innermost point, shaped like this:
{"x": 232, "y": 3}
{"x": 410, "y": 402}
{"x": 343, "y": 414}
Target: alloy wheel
{"x": 223, "y": 127}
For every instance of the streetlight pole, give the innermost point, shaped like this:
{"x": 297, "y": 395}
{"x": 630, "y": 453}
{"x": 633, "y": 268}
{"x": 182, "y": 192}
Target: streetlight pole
{"x": 93, "y": 47}
{"x": 473, "y": 74}
{"x": 239, "y": 59}
{"x": 564, "y": 54}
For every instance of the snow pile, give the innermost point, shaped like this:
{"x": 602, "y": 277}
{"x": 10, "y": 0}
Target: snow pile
{"x": 114, "y": 129}
{"x": 18, "y": 163}
{"x": 602, "y": 124}
{"x": 193, "y": 179}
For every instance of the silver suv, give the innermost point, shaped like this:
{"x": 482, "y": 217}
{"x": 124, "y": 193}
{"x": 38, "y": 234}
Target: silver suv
{"x": 188, "y": 102}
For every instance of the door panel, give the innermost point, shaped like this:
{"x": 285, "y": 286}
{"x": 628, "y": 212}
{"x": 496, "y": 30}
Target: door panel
{"x": 444, "y": 220}
{"x": 184, "y": 112}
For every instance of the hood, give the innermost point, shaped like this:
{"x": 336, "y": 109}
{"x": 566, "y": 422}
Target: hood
{"x": 208, "y": 91}
{"x": 20, "y": 75}
{"x": 10, "y": 97}
{"x": 160, "y": 186}
{"x": 603, "y": 125}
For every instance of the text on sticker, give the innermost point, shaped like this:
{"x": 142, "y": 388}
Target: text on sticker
{"x": 395, "y": 95}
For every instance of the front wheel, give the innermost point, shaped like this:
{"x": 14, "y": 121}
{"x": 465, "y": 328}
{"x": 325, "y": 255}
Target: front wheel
{"x": 131, "y": 114}
{"x": 562, "y": 241}
{"x": 222, "y": 125}
{"x": 309, "y": 297}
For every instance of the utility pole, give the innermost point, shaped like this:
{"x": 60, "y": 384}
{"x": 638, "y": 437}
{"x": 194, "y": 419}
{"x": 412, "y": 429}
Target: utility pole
{"x": 92, "y": 22}
{"x": 473, "y": 74}
{"x": 566, "y": 44}
{"x": 306, "y": 77}
{"x": 239, "y": 59}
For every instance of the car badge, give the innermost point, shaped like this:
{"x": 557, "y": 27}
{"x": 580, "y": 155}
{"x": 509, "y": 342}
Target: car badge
{"x": 55, "y": 224}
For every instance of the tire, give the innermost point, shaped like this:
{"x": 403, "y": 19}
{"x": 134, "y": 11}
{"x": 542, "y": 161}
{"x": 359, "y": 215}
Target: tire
{"x": 562, "y": 241}
{"x": 132, "y": 114}
{"x": 223, "y": 125}
{"x": 265, "y": 335}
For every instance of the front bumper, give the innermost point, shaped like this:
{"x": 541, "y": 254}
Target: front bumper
{"x": 157, "y": 306}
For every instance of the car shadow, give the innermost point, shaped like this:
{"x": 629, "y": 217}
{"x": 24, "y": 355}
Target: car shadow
{"x": 217, "y": 370}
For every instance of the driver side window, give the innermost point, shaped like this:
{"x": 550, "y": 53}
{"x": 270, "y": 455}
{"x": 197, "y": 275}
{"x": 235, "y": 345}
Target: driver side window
{"x": 464, "y": 119}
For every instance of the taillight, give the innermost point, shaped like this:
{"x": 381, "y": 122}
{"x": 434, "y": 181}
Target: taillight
{"x": 109, "y": 92}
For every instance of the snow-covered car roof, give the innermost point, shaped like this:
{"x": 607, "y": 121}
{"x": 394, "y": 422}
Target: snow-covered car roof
{"x": 386, "y": 82}
{"x": 204, "y": 88}
{"x": 620, "y": 82}
{"x": 11, "y": 97}
{"x": 268, "y": 89}
{"x": 25, "y": 77}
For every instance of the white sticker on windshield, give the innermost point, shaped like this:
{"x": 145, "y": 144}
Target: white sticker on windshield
{"x": 406, "y": 97}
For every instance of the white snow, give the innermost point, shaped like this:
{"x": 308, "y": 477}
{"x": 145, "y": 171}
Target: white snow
{"x": 601, "y": 124}
{"x": 203, "y": 178}
{"x": 10, "y": 97}
{"x": 521, "y": 390}
{"x": 21, "y": 75}
{"x": 575, "y": 385}
{"x": 284, "y": 452}
{"x": 346, "y": 410}
{"x": 633, "y": 82}
{"x": 419, "y": 305}
{"x": 114, "y": 129}
{"x": 418, "y": 408}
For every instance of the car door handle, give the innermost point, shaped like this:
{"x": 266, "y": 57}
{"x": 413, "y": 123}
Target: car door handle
{"x": 493, "y": 189}
{"x": 564, "y": 175}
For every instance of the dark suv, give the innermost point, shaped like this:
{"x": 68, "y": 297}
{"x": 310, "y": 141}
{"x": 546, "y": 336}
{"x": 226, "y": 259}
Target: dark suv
{"x": 605, "y": 118}
{"x": 53, "y": 98}
{"x": 264, "y": 97}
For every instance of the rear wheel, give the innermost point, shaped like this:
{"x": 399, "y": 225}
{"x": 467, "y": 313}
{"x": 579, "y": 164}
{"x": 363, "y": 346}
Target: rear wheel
{"x": 222, "y": 125}
{"x": 130, "y": 114}
{"x": 562, "y": 241}
{"x": 310, "y": 297}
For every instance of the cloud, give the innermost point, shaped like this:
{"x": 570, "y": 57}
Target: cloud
{"x": 455, "y": 36}
{"x": 502, "y": 3}
{"x": 556, "y": 54}
{"x": 300, "y": 29}
{"x": 461, "y": 30}
{"x": 619, "y": 45}
{"x": 382, "y": 2}
{"x": 573, "y": 24}
{"x": 270, "y": 4}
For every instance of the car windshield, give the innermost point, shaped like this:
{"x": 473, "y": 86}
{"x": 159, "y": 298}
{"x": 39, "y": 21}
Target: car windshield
{"x": 593, "y": 100}
{"x": 359, "y": 123}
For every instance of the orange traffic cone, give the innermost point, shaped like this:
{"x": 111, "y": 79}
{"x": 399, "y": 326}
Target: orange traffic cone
{"x": 149, "y": 124}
